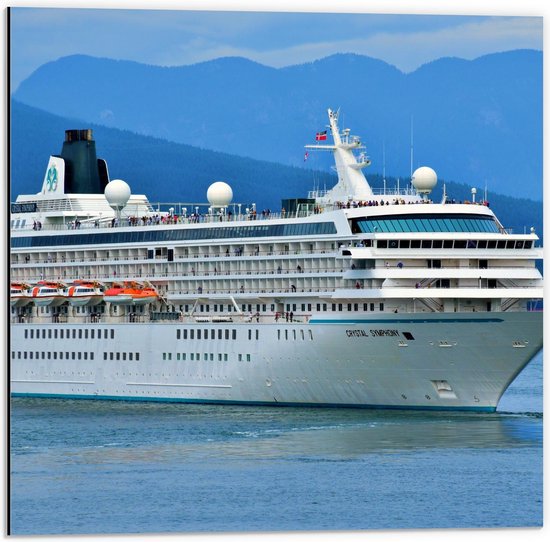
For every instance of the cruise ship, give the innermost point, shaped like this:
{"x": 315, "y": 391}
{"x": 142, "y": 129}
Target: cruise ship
{"x": 350, "y": 297}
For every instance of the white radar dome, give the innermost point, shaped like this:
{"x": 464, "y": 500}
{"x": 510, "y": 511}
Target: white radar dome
{"x": 219, "y": 194}
{"x": 424, "y": 180}
{"x": 117, "y": 194}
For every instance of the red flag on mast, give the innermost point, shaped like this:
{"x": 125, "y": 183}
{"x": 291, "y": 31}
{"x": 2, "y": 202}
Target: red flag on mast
{"x": 321, "y": 136}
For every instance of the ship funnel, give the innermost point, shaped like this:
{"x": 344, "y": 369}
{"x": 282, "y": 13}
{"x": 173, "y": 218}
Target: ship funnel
{"x": 84, "y": 173}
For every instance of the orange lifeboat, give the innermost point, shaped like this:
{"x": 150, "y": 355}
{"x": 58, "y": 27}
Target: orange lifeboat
{"x": 130, "y": 293}
{"x": 49, "y": 294}
{"x": 85, "y": 292}
{"x": 20, "y": 294}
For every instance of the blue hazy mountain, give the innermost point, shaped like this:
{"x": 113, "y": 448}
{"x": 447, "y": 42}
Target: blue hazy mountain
{"x": 477, "y": 121}
{"x": 172, "y": 172}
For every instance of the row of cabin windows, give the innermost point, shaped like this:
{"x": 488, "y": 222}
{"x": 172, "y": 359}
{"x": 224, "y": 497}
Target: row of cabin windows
{"x": 454, "y": 243}
{"x": 294, "y": 334}
{"x": 197, "y": 356}
{"x": 228, "y": 308}
{"x": 52, "y": 355}
{"x": 69, "y": 333}
{"x": 118, "y": 356}
{"x": 336, "y": 307}
{"x": 185, "y": 234}
{"x": 206, "y": 334}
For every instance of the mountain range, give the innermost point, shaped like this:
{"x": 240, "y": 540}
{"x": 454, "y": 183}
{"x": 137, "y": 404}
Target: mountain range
{"x": 477, "y": 122}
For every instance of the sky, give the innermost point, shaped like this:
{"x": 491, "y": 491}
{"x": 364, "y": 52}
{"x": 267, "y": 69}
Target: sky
{"x": 171, "y": 37}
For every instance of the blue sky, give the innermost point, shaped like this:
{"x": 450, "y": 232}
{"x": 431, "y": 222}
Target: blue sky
{"x": 177, "y": 37}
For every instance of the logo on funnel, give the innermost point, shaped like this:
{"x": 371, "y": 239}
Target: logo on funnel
{"x": 51, "y": 179}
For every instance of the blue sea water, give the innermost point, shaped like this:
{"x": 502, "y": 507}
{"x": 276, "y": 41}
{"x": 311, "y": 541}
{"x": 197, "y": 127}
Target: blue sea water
{"x": 90, "y": 467}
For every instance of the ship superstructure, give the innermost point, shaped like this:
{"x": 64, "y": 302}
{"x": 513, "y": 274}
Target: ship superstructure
{"x": 346, "y": 298}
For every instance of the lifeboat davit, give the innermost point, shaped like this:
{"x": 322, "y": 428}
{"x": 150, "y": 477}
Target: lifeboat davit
{"x": 130, "y": 293}
{"x": 49, "y": 294}
{"x": 20, "y": 294}
{"x": 85, "y": 292}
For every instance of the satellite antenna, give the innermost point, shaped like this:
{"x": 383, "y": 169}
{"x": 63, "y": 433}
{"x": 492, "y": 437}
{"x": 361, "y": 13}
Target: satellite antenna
{"x": 117, "y": 193}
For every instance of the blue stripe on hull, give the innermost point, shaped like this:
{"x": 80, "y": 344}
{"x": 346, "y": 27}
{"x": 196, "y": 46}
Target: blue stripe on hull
{"x": 408, "y": 321}
{"x": 251, "y": 403}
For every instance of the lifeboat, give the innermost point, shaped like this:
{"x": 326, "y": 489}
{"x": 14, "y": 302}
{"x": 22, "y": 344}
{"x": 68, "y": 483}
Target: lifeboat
{"x": 130, "y": 293}
{"x": 85, "y": 292}
{"x": 20, "y": 294}
{"x": 49, "y": 294}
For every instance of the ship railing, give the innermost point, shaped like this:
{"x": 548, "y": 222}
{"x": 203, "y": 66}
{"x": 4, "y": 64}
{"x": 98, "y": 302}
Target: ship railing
{"x": 163, "y": 219}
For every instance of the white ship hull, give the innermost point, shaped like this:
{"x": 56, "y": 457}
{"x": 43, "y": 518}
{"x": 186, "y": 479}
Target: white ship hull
{"x": 445, "y": 361}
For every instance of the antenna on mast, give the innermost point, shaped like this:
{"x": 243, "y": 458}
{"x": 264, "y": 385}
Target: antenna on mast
{"x": 384, "y": 164}
{"x": 412, "y": 144}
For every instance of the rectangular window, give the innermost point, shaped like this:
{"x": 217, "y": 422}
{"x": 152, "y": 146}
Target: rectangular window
{"x": 178, "y": 334}
{"x": 137, "y": 356}
{"x": 112, "y": 333}
{"x": 73, "y": 355}
{"x": 99, "y": 333}
{"x": 381, "y": 306}
{"x": 198, "y": 334}
{"x": 105, "y": 356}
{"x": 225, "y": 357}
{"x": 226, "y": 334}
{"x": 118, "y": 356}
{"x": 247, "y": 357}
{"x": 257, "y": 334}
{"x": 192, "y": 334}
{"x": 185, "y": 334}
{"x": 123, "y": 356}
{"x": 234, "y": 334}
{"x": 111, "y": 356}
{"x": 26, "y": 333}
{"x": 249, "y": 334}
